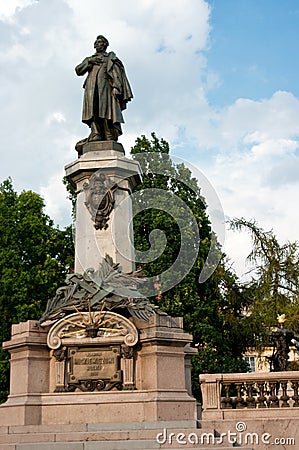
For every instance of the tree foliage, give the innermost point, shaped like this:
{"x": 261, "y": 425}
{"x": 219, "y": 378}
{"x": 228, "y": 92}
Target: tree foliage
{"x": 35, "y": 257}
{"x": 212, "y": 310}
{"x": 274, "y": 285}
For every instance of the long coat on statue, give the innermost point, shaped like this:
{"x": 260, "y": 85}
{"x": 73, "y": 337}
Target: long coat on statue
{"x": 99, "y": 101}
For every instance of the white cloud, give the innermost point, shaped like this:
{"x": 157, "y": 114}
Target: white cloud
{"x": 56, "y": 199}
{"x": 56, "y": 117}
{"x": 237, "y": 247}
{"x": 273, "y": 148}
{"x": 256, "y": 171}
{"x": 9, "y": 8}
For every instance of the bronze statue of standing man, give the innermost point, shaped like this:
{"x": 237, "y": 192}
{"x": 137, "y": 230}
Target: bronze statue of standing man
{"x": 107, "y": 92}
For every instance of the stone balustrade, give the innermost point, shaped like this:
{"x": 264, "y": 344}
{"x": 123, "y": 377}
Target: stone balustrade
{"x": 256, "y": 394}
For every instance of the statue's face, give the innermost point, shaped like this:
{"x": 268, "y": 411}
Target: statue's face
{"x": 100, "y": 45}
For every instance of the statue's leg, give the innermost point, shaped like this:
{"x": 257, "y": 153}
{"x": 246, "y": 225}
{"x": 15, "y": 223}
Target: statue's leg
{"x": 95, "y": 134}
{"x": 102, "y": 130}
{"x": 95, "y": 122}
{"x": 109, "y": 131}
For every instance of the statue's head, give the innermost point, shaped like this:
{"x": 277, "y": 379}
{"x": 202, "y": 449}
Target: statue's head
{"x": 101, "y": 43}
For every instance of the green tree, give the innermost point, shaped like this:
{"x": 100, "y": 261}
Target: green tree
{"x": 274, "y": 285}
{"x": 35, "y": 257}
{"x": 212, "y": 310}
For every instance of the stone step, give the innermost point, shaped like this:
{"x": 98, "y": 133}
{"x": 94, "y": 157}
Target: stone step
{"x": 108, "y": 436}
{"x": 142, "y": 439}
{"x": 99, "y": 445}
{"x": 115, "y": 445}
{"x": 117, "y": 426}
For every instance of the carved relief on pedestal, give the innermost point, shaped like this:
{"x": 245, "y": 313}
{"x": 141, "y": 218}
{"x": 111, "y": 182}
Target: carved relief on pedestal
{"x": 128, "y": 365}
{"x": 94, "y": 351}
{"x": 99, "y": 198}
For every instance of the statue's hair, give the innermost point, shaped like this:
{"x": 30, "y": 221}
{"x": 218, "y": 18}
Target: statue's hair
{"x": 104, "y": 39}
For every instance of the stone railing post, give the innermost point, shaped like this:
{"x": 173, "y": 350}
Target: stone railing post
{"x": 211, "y": 394}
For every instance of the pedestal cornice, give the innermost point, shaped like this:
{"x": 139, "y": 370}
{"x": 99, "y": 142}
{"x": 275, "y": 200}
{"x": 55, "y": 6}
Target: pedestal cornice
{"x": 110, "y": 161}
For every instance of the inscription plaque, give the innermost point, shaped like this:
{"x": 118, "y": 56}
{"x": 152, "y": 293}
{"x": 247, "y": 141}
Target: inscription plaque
{"x": 94, "y": 368}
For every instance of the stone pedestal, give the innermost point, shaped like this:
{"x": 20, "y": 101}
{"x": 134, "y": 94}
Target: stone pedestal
{"x": 107, "y": 160}
{"x": 159, "y": 376}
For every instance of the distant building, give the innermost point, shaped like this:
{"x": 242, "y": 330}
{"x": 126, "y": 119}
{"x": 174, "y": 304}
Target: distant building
{"x": 259, "y": 362}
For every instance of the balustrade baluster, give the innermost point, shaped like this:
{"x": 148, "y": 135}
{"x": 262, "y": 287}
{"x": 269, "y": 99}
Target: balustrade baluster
{"x": 295, "y": 387}
{"x": 227, "y": 400}
{"x": 261, "y": 398}
{"x": 284, "y": 397}
{"x": 239, "y": 399}
{"x": 267, "y": 393}
{"x": 250, "y": 400}
{"x": 274, "y": 402}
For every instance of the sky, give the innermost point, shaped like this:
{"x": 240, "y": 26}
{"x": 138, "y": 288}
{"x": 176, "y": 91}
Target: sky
{"x": 219, "y": 80}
